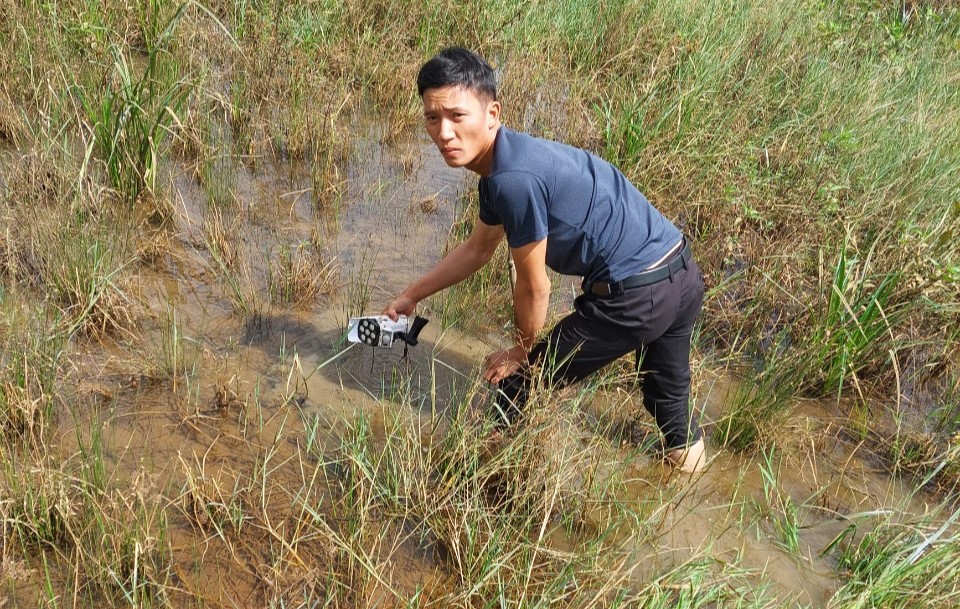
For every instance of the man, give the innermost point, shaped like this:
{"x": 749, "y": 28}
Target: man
{"x": 567, "y": 209}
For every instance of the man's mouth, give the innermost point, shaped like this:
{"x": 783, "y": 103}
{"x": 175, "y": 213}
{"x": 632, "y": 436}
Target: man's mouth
{"x": 449, "y": 151}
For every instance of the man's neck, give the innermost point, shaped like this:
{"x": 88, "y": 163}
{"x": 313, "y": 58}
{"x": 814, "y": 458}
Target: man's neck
{"x": 483, "y": 164}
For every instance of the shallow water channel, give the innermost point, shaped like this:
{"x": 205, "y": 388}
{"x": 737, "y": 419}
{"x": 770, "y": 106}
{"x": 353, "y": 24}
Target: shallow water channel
{"x": 258, "y": 388}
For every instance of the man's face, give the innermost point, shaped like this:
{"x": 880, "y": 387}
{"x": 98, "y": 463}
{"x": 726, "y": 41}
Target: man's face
{"x": 462, "y": 125}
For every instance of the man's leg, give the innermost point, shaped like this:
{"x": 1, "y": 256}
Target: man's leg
{"x": 664, "y": 364}
{"x": 660, "y": 316}
{"x": 575, "y": 348}
{"x": 665, "y": 370}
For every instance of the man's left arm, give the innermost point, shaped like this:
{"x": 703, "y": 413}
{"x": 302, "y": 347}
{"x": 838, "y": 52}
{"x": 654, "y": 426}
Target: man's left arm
{"x": 531, "y": 296}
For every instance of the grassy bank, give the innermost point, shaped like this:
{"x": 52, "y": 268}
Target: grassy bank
{"x": 810, "y": 149}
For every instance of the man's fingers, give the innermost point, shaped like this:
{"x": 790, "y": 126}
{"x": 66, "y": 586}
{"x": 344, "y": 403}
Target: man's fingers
{"x": 399, "y": 306}
{"x": 497, "y": 372}
{"x": 493, "y": 372}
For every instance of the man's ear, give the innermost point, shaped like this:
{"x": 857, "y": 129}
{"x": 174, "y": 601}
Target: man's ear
{"x": 493, "y": 114}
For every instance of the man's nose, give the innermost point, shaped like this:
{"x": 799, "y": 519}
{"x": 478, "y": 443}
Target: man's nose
{"x": 446, "y": 130}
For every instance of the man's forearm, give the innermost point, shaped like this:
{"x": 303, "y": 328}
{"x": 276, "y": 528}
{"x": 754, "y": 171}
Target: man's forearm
{"x": 530, "y": 301}
{"x": 463, "y": 261}
{"x": 456, "y": 266}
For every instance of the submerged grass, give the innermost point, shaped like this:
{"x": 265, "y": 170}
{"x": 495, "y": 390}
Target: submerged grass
{"x": 397, "y": 505}
{"x": 31, "y": 356}
{"x": 486, "y": 512}
{"x": 114, "y": 538}
{"x": 298, "y": 274}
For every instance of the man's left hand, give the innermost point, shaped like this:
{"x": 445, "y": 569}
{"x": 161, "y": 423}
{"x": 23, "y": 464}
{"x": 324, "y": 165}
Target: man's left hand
{"x": 501, "y": 364}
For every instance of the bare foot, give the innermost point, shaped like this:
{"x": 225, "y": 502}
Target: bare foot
{"x": 689, "y": 460}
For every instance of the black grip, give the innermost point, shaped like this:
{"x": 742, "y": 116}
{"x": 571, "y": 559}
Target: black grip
{"x": 411, "y": 335}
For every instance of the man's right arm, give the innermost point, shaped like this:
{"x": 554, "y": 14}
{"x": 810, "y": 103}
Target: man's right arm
{"x": 465, "y": 259}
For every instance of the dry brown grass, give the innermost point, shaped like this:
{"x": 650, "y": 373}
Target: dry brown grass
{"x": 547, "y": 100}
{"x": 58, "y": 239}
{"x": 298, "y": 275}
{"x": 11, "y": 123}
{"x": 221, "y": 237}
{"x": 25, "y": 406}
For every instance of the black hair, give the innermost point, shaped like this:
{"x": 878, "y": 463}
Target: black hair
{"x": 459, "y": 67}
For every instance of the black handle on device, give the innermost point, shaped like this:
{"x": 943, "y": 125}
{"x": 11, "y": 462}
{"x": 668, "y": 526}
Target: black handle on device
{"x": 411, "y": 335}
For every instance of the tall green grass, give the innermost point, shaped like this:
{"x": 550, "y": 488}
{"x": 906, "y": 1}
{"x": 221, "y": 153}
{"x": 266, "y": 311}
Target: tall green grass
{"x": 899, "y": 565}
{"x": 133, "y": 116}
{"x": 773, "y": 131}
{"x": 859, "y": 322}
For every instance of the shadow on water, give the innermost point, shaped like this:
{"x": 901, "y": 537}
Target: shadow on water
{"x": 430, "y": 375}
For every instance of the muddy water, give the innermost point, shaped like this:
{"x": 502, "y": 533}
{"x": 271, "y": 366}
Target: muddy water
{"x": 261, "y": 387}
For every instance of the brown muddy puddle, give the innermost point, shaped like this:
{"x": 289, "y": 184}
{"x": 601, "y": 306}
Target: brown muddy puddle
{"x": 271, "y": 391}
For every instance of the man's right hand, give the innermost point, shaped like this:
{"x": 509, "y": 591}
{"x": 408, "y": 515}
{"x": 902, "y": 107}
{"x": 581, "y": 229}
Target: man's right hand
{"x": 401, "y": 305}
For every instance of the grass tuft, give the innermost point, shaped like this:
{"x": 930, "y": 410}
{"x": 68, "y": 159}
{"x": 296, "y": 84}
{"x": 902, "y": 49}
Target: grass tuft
{"x": 899, "y": 565}
{"x": 298, "y": 275}
{"x": 132, "y": 117}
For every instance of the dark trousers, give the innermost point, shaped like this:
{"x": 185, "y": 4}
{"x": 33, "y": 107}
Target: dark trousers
{"x": 654, "y": 321}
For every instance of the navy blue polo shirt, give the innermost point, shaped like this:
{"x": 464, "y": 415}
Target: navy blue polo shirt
{"x": 596, "y": 223}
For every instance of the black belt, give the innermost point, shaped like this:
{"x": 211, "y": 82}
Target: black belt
{"x": 652, "y": 276}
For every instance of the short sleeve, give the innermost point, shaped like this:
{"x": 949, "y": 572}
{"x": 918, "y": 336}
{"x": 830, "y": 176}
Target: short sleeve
{"x": 485, "y": 211}
{"x": 518, "y": 200}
